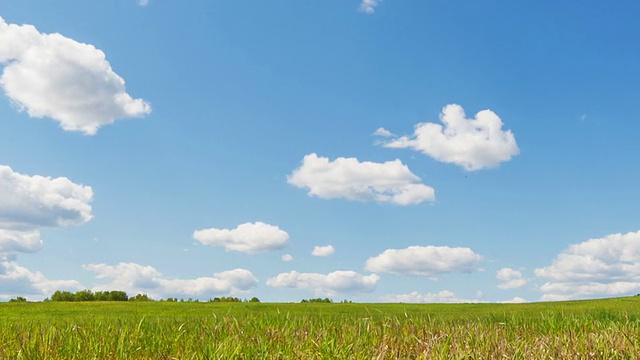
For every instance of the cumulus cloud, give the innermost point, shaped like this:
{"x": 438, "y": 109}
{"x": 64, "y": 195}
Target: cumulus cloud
{"x": 473, "y": 144}
{"x": 511, "y": 279}
{"x": 323, "y": 250}
{"x": 135, "y": 278}
{"x": 49, "y": 75}
{"x": 351, "y": 179}
{"x": 12, "y": 241}
{"x": 443, "y": 296}
{"x": 608, "y": 266}
{"x": 16, "y": 280}
{"x": 329, "y": 285}
{"x": 424, "y": 261}
{"x": 248, "y": 237}
{"x": 29, "y": 202}
{"x": 368, "y": 6}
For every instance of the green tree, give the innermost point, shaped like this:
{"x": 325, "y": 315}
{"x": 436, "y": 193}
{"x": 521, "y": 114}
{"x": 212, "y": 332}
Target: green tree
{"x": 84, "y": 295}
{"x": 118, "y": 296}
{"x": 62, "y": 296}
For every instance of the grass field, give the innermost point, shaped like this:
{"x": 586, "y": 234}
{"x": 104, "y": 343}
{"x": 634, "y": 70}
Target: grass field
{"x": 594, "y": 329}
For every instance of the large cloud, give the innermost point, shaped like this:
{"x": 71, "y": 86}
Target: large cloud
{"x": 330, "y": 284}
{"x": 424, "y": 261}
{"x": 16, "y": 280}
{"x": 443, "y": 296}
{"x": 135, "y": 278}
{"x": 323, "y": 250}
{"x": 608, "y": 266}
{"x": 247, "y": 237}
{"x": 30, "y": 202}
{"x": 473, "y": 144}
{"x": 351, "y": 179}
{"x": 49, "y": 75}
{"x": 511, "y": 279}
{"x": 12, "y": 241}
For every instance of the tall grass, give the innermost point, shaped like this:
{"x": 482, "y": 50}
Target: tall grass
{"x": 603, "y": 329}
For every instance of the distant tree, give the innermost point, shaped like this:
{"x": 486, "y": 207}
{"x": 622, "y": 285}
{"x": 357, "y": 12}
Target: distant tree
{"x": 18, "y": 299}
{"x": 318, "y": 300}
{"x": 140, "y": 297}
{"x": 254, "y": 300}
{"x": 84, "y": 295}
{"x": 118, "y": 296}
{"x": 62, "y": 296}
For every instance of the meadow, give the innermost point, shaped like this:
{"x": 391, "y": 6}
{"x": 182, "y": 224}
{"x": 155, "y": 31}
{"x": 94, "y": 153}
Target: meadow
{"x": 593, "y": 329}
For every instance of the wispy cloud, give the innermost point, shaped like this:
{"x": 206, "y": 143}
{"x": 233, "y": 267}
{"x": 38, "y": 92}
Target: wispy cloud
{"x": 369, "y": 6}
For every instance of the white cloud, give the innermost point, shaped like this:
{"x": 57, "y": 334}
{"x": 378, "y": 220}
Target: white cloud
{"x": 16, "y": 280}
{"x": 29, "y": 202}
{"x": 511, "y": 279}
{"x": 444, "y": 296}
{"x": 608, "y": 266}
{"x": 424, "y": 261}
{"x": 473, "y": 144}
{"x": 351, "y": 179}
{"x": 323, "y": 250}
{"x": 329, "y": 285}
{"x": 19, "y": 241}
{"x": 287, "y": 257}
{"x": 143, "y": 2}
{"x": 135, "y": 278}
{"x": 383, "y": 132}
{"x": 248, "y": 237}
{"x": 368, "y": 6}
{"x": 49, "y": 75}
{"x": 515, "y": 300}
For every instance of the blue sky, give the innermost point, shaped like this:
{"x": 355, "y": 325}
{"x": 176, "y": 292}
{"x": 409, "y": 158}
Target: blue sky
{"x": 431, "y": 151}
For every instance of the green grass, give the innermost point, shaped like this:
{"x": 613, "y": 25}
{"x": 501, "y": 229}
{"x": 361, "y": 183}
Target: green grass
{"x": 595, "y": 329}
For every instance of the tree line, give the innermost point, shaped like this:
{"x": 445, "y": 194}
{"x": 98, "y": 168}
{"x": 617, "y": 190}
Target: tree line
{"x": 116, "y": 295}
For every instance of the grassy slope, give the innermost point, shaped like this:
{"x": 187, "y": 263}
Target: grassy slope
{"x": 598, "y": 329}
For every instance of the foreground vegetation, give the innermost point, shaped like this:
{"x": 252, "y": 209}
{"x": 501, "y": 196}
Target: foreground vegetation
{"x": 596, "y": 329}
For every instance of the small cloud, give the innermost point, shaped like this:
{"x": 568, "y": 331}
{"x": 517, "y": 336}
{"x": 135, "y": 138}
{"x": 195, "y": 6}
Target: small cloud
{"x": 511, "y": 279}
{"x": 248, "y": 237}
{"x": 383, "y": 132}
{"x": 515, "y": 300}
{"x": 583, "y": 117}
{"x": 473, "y": 144}
{"x": 348, "y": 178}
{"x": 143, "y": 2}
{"x": 330, "y": 284}
{"x": 368, "y": 6}
{"x": 425, "y": 261}
{"x": 287, "y": 257}
{"x": 323, "y": 250}
{"x": 443, "y": 296}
